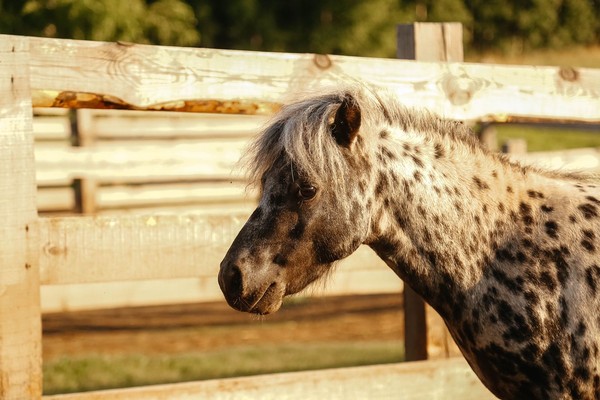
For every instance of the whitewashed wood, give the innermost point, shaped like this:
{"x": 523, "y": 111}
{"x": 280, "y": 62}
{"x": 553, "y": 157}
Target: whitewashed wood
{"x": 143, "y": 76}
{"x": 115, "y": 124}
{"x": 173, "y": 193}
{"x": 430, "y": 41}
{"x": 55, "y": 199}
{"x": 89, "y": 249}
{"x": 50, "y": 111}
{"x": 93, "y": 296}
{"x": 99, "y": 249}
{"x": 234, "y": 208}
{"x": 51, "y": 128}
{"x": 447, "y": 379}
{"x": 20, "y": 321}
{"x": 124, "y": 161}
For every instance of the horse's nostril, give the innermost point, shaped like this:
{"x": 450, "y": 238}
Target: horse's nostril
{"x": 234, "y": 281}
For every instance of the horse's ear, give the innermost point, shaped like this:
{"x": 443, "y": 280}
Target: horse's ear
{"x": 346, "y": 122}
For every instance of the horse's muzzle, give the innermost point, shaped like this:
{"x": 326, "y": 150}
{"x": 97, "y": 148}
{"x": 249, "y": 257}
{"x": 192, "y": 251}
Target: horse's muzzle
{"x": 243, "y": 294}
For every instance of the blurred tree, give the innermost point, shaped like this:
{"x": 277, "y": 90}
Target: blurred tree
{"x": 163, "y": 21}
{"x": 518, "y": 25}
{"x": 324, "y": 26}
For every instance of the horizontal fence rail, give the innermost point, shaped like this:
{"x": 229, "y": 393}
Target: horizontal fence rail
{"x": 74, "y": 73}
{"x": 445, "y": 379}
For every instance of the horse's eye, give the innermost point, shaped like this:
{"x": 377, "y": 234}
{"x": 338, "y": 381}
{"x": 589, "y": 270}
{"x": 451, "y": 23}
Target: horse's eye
{"x": 307, "y": 192}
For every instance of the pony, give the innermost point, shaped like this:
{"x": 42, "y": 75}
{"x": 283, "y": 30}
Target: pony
{"x": 506, "y": 253}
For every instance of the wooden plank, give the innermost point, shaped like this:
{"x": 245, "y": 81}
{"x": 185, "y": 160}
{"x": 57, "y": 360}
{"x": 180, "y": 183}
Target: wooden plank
{"x": 55, "y": 199}
{"x": 119, "y": 124}
{"x": 240, "y": 207}
{"x": 85, "y": 193}
{"x": 130, "y": 161}
{"x": 51, "y": 128}
{"x": 430, "y": 41}
{"x": 200, "y": 193}
{"x": 92, "y": 296}
{"x": 221, "y": 80}
{"x": 444, "y": 379}
{"x": 20, "y": 319}
{"x": 84, "y": 249}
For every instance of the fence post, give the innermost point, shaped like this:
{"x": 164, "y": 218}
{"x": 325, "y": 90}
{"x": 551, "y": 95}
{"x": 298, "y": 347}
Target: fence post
{"x": 424, "y": 42}
{"x": 84, "y": 189}
{"x": 20, "y": 319}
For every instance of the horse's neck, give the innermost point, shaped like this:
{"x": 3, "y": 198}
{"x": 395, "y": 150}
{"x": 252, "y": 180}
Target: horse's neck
{"x": 451, "y": 208}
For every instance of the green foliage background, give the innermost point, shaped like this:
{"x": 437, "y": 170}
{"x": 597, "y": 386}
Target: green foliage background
{"x": 365, "y": 28}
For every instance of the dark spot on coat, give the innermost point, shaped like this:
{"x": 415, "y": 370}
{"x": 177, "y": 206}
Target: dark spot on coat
{"x": 588, "y": 210}
{"x": 589, "y": 234}
{"x": 526, "y": 213}
{"x": 417, "y": 161}
{"x": 439, "y": 151}
{"x": 417, "y": 176}
{"x": 280, "y": 260}
{"x": 588, "y": 245}
{"x": 593, "y": 199}
{"x": 592, "y": 276}
{"x": 548, "y": 280}
{"x": 551, "y": 229}
{"x": 547, "y": 209}
{"x": 535, "y": 195}
{"x": 382, "y": 183}
{"x": 388, "y": 154}
{"x": 481, "y": 185}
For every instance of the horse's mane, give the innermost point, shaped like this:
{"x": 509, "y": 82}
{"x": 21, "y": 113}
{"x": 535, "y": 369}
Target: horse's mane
{"x": 300, "y": 132}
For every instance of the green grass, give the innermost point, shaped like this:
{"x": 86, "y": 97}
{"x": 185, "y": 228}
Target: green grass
{"x": 95, "y": 372}
{"x": 548, "y": 139}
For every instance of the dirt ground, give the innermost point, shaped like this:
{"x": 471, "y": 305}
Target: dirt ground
{"x": 210, "y": 326}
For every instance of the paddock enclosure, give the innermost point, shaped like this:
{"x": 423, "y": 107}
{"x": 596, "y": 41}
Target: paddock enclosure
{"x": 68, "y": 182}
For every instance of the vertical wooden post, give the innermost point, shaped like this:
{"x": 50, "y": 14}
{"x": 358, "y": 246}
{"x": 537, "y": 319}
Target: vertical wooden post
{"x": 82, "y": 135}
{"x": 427, "y": 41}
{"x": 515, "y": 146}
{"x": 424, "y": 42}
{"x": 85, "y": 195}
{"x": 20, "y": 320}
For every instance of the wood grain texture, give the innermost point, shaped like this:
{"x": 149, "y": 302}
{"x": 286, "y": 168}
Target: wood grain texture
{"x": 144, "y": 76}
{"x": 141, "y": 125}
{"x": 102, "y": 249}
{"x": 93, "y": 296}
{"x": 447, "y": 379}
{"x": 430, "y": 41}
{"x": 20, "y": 320}
{"x": 131, "y": 161}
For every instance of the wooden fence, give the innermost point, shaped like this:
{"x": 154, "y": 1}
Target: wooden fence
{"x": 36, "y": 72}
{"x": 168, "y": 163}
